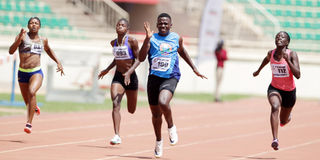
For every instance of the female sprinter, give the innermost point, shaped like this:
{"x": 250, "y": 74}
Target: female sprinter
{"x": 30, "y": 75}
{"x": 282, "y": 90}
{"x": 125, "y": 51}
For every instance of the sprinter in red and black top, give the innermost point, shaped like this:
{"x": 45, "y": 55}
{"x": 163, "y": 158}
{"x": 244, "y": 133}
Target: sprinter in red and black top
{"x": 282, "y": 90}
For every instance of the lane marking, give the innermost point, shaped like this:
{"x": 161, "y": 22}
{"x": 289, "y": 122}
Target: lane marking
{"x": 280, "y": 150}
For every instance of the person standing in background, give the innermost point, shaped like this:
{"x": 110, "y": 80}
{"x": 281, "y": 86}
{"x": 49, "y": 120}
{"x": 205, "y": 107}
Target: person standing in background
{"x": 221, "y": 55}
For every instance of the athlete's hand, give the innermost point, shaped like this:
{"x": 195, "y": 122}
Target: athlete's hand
{"x": 199, "y": 74}
{"x": 126, "y": 78}
{"x": 102, "y": 73}
{"x": 256, "y": 73}
{"x": 286, "y": 57}
{"x": 60, "y": 69}
{"x": 149, "y": 33}
{"x": 22, "y": 34}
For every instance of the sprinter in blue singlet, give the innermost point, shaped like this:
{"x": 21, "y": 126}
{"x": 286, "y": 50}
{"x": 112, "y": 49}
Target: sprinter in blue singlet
{"x": 162, "y": 49}
{"x": 30, "y": 75}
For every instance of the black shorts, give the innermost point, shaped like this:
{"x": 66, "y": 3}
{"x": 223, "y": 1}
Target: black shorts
{"x": 156, "y": 84}
{"x": 119, "y": 78}
{"x": 288, "y": 97}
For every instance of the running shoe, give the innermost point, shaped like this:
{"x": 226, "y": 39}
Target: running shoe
{"x": 275, "y": 144}
{"x": 115, "y": 140}
{"x": 28, "y": 127}
{"x": 37, "y": 110}
{"x": 173, "y": 136}
{"x": 158, "y": 150}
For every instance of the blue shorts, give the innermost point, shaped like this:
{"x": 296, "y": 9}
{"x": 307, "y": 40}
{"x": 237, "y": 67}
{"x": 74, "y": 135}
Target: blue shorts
{"x": 24, "y": 76}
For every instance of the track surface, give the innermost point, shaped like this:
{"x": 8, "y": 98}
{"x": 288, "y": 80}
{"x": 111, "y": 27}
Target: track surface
{"x": 207, "y": 131}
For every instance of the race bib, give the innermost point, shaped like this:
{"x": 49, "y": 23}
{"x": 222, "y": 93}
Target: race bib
{"x": 121, "y": 52}
{"x": 280, "y": 70}
{"x": 161, "y": 64}
{"x": 36, "y": 48}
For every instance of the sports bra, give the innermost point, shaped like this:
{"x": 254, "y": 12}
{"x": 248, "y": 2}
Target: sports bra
{"x": 28, "y": 46}
{"x": 122, "y": 52}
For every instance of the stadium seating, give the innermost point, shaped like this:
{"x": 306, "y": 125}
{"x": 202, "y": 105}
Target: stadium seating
{"x": 300, "y": 18}
{"x": 16, "y": 13}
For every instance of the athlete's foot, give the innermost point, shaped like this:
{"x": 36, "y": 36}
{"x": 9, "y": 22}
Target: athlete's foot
{"x": 115, "y": 140}
{"x": 217, "y": 100}
{"x": 28, "y": 128}
{"x": 158, "y": 150}
{"x": 275, "y": 144}
{"x": 37, "y": 110}
{"x": 173, "y": 136}
{"x": 282, "y": 124}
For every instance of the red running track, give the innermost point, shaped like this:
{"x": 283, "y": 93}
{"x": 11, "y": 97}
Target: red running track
{"x": 207, "y": 131}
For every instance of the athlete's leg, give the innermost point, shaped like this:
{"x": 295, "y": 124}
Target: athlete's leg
{"x": 275, "y": 102}
{"x": 285, "y": 115}
{"x": 117, "y": 92}
{"x": 24, "y": 88}
{"x": 219, "y": 73}
{"x": 132, "y": 100}
{"x": 35, "y": 83}
{"x": 165, "y": 97}
{"x": 156, "y": 120}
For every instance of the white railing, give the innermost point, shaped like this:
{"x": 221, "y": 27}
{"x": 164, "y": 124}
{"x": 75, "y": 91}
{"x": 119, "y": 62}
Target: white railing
{"x": 106, "y": 11}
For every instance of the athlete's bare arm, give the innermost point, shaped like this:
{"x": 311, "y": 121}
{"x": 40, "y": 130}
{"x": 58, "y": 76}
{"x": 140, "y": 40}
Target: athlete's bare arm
{"x": 265, "y": 61}
{"x": 184, "y": 54}
{"x": 293, "y": 62}
{"x": 17, "y": 41}
{"x": 52, "y": 55}
{"x": 135, "y": 49}
{"x": 105, "y": 71}
{"x": 146, "y": 43}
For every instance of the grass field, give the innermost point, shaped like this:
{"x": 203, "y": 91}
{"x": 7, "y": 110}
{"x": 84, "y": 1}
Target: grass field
{"x": 77, "y": 107}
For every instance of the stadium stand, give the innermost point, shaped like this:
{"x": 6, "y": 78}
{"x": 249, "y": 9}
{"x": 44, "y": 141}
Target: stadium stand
{"x": 300, "y": 18}
{"x": 15, "y": 14}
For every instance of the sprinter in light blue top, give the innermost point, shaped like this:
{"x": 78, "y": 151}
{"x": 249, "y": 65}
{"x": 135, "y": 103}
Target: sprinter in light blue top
{"x": 162, "y": 49}
{"x": 163, "y": 55}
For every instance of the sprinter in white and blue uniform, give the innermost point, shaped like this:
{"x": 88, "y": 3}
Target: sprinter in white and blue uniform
{"x": 30, "y": 75}
{"x": 162, "y": 49}
{"x": 125, "y": 49}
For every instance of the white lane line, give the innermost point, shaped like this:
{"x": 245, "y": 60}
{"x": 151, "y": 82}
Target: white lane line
{"x": 280, "y": 150}
{"x": 151, "y": 133}
{"x": 94, "y": 126}
{"x": 51, "y": 145}
{"x": 128, "y": 136}
{"x": 202, "y": 142}
{"x": 53, "y": 119}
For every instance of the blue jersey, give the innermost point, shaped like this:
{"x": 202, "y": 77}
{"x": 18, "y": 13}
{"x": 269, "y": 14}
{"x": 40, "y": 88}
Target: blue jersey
{"x": 163, "y": 56}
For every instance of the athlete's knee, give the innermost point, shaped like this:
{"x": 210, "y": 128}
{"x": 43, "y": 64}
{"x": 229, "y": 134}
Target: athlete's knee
{"x": 131, "y": 108}
{"x": 116, "y": 103}
{"x": 156, "y": 115}
{"x": 163, "y": 103}
{"x": 32, "y": 92}
{"x": 275, "y": 107}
